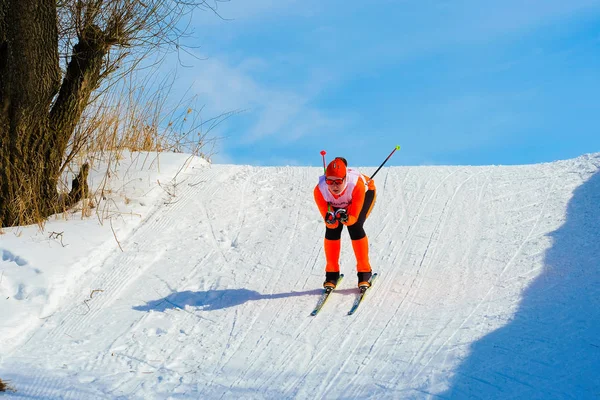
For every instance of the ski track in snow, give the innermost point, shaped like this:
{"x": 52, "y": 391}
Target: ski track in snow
{"x": 211, "y": 295}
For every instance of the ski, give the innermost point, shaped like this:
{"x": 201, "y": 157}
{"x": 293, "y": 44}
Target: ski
{"x": 324, "y": 297}
{"x": 361, "y": 295}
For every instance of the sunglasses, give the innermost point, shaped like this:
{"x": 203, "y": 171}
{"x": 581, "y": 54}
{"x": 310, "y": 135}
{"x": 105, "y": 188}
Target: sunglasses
{"x": 334, "y": 181}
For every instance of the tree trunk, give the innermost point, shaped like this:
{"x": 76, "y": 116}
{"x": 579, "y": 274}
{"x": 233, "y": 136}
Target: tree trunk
{"x": 30, "y": 78}
{"x": 34, "y": 132}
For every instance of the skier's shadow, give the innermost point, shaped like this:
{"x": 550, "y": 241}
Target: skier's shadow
{"x": 211, "y": 300}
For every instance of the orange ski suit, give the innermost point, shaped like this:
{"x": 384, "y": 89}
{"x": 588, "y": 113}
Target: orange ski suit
{"x": 362, "y": 199}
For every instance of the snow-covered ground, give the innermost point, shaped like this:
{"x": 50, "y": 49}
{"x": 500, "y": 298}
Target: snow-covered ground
{"x": 195, "y": 281}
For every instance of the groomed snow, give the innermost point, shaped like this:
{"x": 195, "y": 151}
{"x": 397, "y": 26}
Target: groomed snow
{"x": 195, "y": 281}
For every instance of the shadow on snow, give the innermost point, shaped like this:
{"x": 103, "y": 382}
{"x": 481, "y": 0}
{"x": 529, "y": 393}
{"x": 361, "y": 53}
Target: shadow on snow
{"x": 218, "y": 299}
{"x": 551, "y": 349}
{"x": 50, "y": 386}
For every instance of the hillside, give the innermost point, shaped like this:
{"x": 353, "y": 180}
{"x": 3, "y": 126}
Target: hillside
{"x": 198, "y": 280}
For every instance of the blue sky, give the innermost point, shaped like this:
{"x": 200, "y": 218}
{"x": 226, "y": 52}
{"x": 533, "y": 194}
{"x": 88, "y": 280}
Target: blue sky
{"x": 469, "y": 82}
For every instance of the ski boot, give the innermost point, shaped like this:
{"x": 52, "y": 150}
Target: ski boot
{"x": 331, "y": 280}
{"x": 363, "y": 280}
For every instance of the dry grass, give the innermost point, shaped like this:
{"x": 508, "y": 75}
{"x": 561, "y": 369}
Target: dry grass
{"x": 131, "y": 117}
{"x": 135, "y": 116}
{"x": 5, "y": 387}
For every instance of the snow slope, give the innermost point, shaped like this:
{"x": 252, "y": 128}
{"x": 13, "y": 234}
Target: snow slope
{"x": 200, "y": 287}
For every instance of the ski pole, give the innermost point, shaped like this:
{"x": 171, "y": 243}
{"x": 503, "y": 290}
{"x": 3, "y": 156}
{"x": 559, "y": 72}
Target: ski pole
{"x": 388, "y": 157}
{"x": 323, "y": 152}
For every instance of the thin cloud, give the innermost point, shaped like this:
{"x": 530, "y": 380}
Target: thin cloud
{"x": 272, "y": 111}
{"x": 252, "y": 11}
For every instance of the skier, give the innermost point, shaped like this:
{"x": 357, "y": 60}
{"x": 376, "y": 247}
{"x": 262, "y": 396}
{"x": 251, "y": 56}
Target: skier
{"x": 345, "y": 197}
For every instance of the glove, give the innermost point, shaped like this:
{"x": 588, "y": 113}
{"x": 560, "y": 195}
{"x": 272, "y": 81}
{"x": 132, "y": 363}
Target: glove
{"x": 330, "y": 220}
{"x": 341, "y": 215}
{"x": 330, "y": 217}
